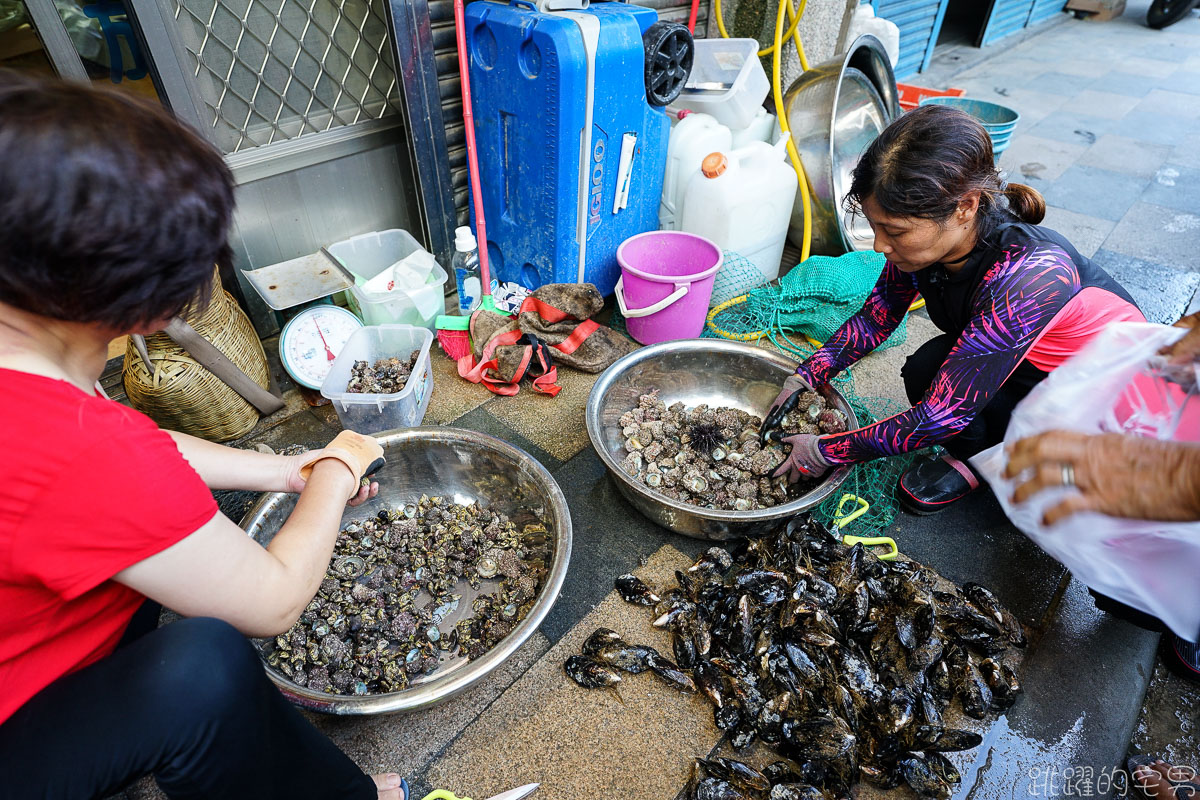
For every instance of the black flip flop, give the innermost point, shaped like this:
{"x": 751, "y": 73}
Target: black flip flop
{"x": 1184, "y": 790}
{"x": 1186, "y": 656}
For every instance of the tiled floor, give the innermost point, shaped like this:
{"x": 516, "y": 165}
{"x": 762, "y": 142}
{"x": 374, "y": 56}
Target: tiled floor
{"x": 1110, "y": 124}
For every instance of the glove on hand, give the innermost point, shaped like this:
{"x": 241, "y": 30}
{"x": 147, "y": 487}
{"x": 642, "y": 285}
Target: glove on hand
{"x": 805, "y": 460}
{"x": 361, "y": 454}
{"x": 784, "y": 403}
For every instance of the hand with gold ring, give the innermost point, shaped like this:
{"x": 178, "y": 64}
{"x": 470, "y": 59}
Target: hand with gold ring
{"x": 1114, "y": 474}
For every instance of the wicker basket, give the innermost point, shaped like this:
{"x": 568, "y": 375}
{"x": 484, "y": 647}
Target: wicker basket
{"x": 181, "y": 395}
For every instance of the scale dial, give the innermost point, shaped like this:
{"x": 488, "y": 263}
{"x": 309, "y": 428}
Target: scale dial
{"x": 311, "y": 341}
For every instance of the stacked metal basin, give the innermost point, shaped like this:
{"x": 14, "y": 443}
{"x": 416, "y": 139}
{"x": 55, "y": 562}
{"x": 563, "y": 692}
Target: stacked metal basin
{"x": 835, "y": 110}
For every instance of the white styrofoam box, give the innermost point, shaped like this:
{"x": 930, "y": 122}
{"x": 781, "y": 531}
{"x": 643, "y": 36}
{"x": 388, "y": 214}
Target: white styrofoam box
{"x": 372, "y": 413}
{"x": 368, "y": 255}
{"x": 733, "y": 63}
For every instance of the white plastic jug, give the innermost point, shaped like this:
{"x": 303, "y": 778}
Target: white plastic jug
{"x": 764, "y": 128}
{"x": 863, "y": 20}
{"x": 742, "y": 201}
{"x": 692, "y": 138}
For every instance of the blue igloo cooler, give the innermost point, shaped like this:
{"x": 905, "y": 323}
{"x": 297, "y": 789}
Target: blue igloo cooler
{"x": 559, "y": 89}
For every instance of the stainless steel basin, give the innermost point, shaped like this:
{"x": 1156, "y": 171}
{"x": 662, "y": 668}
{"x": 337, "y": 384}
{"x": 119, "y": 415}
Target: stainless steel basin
{"x": 466, "y": 467}
{"x": 694, "y": 371}
{"x": 835, "y": 110}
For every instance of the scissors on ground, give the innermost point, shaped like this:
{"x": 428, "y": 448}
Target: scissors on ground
{"x": 442, "y": 794}
{"x": 850, "y": 508}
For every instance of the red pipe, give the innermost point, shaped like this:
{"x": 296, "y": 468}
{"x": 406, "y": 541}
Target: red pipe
{"x": 460, "y": 30}
{"x": 692, "y": 16}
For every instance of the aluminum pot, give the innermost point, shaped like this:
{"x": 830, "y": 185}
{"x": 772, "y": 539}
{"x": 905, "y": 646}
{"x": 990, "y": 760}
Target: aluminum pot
{"x": 835, "y": 110}
{"x": 467, "y": 467}
{"x": 695, "y": 371}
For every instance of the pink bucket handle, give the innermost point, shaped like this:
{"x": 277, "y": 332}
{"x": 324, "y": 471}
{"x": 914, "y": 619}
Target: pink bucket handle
{"x": 680, "y": 290}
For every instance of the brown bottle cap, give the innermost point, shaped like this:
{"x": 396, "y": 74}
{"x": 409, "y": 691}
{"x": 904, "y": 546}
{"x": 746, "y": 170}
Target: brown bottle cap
{"x": 713, "y": 164}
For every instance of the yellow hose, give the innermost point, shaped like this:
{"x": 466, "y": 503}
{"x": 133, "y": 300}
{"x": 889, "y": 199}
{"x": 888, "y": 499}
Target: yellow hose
{"x": 795, "y": 15}
{"x": 781, "y": 115}
{"x": 775, "y": 51}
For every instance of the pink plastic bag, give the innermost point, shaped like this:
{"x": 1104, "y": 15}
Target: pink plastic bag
{"x": 1116, "y": 384}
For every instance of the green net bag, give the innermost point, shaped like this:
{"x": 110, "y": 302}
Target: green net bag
{"x": 811, "y": 301}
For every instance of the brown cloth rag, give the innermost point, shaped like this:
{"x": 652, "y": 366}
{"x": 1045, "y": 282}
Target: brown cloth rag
{"x": 553, "y": 326}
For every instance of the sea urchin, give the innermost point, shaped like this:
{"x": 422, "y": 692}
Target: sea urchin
{"x": 705, "y": 436}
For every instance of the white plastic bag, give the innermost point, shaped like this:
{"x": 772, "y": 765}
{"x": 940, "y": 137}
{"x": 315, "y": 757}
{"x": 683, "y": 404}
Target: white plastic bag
{"x": 1113, "y": 385}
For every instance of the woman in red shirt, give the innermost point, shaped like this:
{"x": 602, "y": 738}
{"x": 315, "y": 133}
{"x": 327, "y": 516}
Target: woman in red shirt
{"x": 111, "y": 217}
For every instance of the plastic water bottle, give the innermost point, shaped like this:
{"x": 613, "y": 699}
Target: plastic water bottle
{"x": 466, "y": 269}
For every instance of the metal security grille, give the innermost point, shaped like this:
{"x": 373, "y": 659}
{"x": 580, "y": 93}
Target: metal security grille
{"x": 272, "y": 70}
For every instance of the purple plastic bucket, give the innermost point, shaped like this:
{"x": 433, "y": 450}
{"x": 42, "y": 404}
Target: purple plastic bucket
{"x": 666, "y": 283}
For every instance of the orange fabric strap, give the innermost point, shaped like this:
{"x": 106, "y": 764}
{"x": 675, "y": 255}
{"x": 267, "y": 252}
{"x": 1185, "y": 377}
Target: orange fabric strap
{"x": 577, "y": 337}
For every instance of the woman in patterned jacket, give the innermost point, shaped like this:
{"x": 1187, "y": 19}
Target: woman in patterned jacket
{"x": 1014, "y": 300}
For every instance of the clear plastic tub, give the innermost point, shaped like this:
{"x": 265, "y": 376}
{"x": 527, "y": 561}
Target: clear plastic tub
{"x": 372, "y": 413}
{"x": 729, "y": 79}
{"x": 370, "y": 254}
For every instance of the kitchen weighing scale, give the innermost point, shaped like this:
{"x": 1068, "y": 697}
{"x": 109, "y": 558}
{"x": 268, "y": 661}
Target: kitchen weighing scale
{"x": 311, "y": 340}
{"x": 317, "y": 330}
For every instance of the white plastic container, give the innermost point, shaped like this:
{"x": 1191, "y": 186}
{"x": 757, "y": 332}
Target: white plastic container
{"x": 763, "y": 128}
{"x": 692, "y": 138}
{"x": 729, "y": 81}
{"x": 743, "y": 201}
{"x": 370, "y": 254}
{"x": 864, "y": 21}
{"x": 372, "y": 413}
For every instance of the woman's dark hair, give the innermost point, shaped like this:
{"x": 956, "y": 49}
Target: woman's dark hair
{"x": 928, "y": 160}
{"x": 111, "y": 211}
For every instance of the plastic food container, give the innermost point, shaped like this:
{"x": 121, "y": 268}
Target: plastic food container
{"x": 729, "y": 81}
{"x": 372, "y": 413}
{"x": 370, "y": 254}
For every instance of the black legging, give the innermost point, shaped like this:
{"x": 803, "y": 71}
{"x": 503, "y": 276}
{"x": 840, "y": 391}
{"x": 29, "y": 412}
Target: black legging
{"x": 988, "y": 427}
{"x": 188, "y": 703}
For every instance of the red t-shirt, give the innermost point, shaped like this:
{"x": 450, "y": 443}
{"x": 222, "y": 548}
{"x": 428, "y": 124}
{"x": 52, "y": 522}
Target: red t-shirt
{"x": 88, "y": 487}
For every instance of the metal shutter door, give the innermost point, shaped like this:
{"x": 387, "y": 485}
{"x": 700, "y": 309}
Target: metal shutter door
{"x": 1006, "y": 18}
{"x": 919, "y": 22}
{"x": 441, "y": 18}
{"x": 1044, "y": 9}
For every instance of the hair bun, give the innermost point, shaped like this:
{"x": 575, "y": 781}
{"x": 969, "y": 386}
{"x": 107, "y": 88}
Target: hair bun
{"x": 1025, "y": 202}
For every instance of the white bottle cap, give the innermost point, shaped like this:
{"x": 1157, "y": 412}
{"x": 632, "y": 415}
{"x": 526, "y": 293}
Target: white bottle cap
{"x": 464, "y": 239}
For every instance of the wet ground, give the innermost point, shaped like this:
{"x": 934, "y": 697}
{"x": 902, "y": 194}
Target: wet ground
{"x": 1110, "y": 124}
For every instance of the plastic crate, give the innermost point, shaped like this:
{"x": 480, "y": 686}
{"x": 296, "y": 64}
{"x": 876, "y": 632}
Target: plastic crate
{"x": 911, "y": 96}
{"x": 732, "y": 63}
{"x": 372, "y": 413}
{"x": 370, "y": 254}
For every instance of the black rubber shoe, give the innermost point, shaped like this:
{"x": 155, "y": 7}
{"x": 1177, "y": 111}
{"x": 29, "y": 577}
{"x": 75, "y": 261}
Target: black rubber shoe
{"x": 932, "y": 484}
{"x": 1181, "y": 656}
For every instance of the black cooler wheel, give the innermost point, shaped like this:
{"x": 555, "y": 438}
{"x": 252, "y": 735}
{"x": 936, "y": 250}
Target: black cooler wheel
{"x": 669, "y": 56}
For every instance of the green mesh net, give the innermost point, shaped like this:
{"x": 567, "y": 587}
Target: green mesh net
{"x": 795, "y": 313}
{"x": 811, "y": 301}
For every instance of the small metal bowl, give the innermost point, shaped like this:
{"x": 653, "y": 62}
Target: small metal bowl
{"x": 695, "y": 371}
{"x": 462, "y": 466}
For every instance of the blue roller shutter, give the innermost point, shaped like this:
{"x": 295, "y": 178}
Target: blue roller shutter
{"x": 919, "y": 22}
{"x": 1006, "y": 18}
{"x": 1045, "y": 9}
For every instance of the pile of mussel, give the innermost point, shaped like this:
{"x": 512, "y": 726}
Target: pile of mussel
{"x": 846, "y": 664}
{"x": 380, "y": 618}
{"x": 712, "y": 457}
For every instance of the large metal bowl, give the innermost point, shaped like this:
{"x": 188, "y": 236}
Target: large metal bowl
{"x": 695, "y": 371}
{"x": 835, "y": 110}
{"x": 463, "y": 466}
